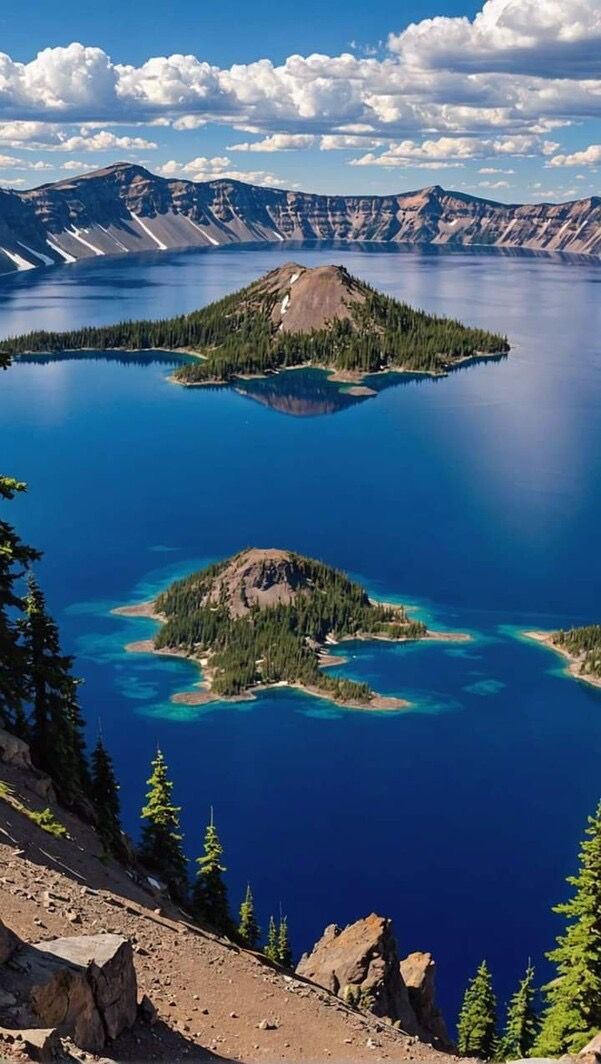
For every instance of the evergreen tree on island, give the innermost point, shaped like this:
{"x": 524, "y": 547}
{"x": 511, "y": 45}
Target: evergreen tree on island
{"x": 210, "y": 892}
{"x": 105, "y": 796}
{"x": 15, "y": 559}
{"x": 248, "y": 928}
{"x": 573, "y": 1013}
{"x": 161, "y": 846}
{"x": 522, "y": 1024}
{"x": 477, "y": 1024}
{"x": 56, "y": 727}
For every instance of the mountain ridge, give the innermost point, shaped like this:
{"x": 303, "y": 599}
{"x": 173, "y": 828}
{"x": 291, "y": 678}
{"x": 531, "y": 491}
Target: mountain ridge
{"x": 124, "y": 209}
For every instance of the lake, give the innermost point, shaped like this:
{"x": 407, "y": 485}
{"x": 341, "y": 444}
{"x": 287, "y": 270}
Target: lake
{"x": 476, "y": 498}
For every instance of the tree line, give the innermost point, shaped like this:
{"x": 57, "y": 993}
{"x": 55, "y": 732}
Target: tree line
{"x": 583, "y": 642}
{"x": 237, "y": 336}
{"x": 571, "y": 1002}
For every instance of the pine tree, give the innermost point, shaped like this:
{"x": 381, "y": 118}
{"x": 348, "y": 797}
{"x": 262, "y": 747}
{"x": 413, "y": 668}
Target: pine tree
{"x": 284, "y": 950}
{"x": 105, "y": 796}
{"x": 15, "y": 559}
{"x": 248, "y": 928}
{"x": 161, "y": 846}
{"x": 476, "y": 1027}
{"x": 210, "y": 892}
{"x": 271, "y": 947}
{"x": 56, "y": 727}
{"x": 573, "y": 1013}
{"x": 521, "y": 1026}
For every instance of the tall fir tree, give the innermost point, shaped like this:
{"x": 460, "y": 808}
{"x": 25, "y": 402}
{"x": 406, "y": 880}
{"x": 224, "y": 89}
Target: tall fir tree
{"x": 573, "y": 1012}
{"x": 522, "y": 1024}
{"x": 56, "y": 726}
{"x": 477, "y": 1024}
{"x": 284, "y": 948}
{"x": 161, "y": 846}
{"x": 210, "y": 892}
{"x": 248, "y": 928}
{"x": 104, "y": 791}
{"x": 15, "y": 559}
{"x": 271, "y": 946}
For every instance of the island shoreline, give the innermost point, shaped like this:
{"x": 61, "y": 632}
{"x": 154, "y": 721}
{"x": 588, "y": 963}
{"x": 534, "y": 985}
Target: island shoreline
{"x": 378, "y": 703}
{"x": 572, "y": 661}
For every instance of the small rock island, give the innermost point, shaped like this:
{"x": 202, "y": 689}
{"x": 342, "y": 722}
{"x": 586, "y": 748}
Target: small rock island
{"x": 293, "y": 316}
{"x": 267, "y": 618}
{"x": 581, "y": 647}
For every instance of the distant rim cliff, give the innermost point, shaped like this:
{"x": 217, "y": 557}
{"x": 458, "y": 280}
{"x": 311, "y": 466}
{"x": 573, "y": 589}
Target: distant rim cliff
{"x": 124, "y": 209}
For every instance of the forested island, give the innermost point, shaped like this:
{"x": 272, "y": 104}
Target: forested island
{"x": 293, "y": 316}
{"x": 580, "y": 646}
{"x": 265, "y": 618}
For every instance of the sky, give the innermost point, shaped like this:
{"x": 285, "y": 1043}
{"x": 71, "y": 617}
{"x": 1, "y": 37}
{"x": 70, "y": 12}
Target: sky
{"x": 500, "y": 99}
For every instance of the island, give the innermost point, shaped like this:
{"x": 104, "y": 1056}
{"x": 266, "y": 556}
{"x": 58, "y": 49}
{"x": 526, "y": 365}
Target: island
{"x": 581, "y": 647}
{"x": 293, "y": 316}
{"x": 269, "y": 617}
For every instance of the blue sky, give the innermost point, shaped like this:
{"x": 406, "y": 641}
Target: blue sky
{"x": 502, "y": 99}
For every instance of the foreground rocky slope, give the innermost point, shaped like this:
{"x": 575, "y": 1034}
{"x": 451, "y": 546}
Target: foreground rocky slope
{"x": 124, "y": 208}
{"x": 213, "y": 1000}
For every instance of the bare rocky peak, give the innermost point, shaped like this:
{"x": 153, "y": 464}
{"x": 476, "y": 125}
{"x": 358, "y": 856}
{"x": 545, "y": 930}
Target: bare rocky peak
{"x": 311, "y": 298}
{"x": 257, "y": 577}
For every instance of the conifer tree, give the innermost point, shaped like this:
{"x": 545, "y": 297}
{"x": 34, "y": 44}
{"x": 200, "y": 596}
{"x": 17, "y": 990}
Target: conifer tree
{"x": 161, "y": 846}
{"x": 248, "y": 928}
{"x": 15, "y": 559}
{"x": 284, "y": 948}
{"x": 573, "y": 1012}
{"x": 105, "y": 796}
{"x": 56, "y": 727}
{"x": 521, "y": 1026}
{"x": 210, "y": 892}
{"x": 477, "y": 1024}
{"x": 271, "y": 946}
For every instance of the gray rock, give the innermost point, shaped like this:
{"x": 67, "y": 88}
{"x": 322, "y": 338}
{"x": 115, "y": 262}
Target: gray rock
{"x": 85, "y": 987}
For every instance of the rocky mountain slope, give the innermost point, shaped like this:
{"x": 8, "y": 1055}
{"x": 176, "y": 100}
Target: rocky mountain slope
{"x": 201, "y": 997}
{"x": 124, "y": 209}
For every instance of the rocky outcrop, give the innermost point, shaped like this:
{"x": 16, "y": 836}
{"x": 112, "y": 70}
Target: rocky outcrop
{"x": 124, "y": 208}
{"x": 82, "y": 987}
{"x": 15, "y": 753}
{"x": 418, "y": 972}
{"x": 360, "y": 964}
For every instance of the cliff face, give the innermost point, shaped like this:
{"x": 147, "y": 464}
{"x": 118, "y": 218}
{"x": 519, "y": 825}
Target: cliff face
{"x": 124, "y": 208}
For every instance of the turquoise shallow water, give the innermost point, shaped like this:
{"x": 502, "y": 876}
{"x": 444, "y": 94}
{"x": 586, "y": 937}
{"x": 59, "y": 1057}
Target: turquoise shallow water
{"x": 476, "y": 498}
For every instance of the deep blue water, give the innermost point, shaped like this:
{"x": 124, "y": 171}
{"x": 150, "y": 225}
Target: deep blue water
{"x": 475, "y": 497}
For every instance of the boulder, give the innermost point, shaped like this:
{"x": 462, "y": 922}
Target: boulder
{"x": 85, "y": 987}
{"x": 361, "y": 965}
{"x": 39, "y": 1043}
{"x": 15, "y": 753}
{"x": 418, "y": 972}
